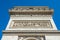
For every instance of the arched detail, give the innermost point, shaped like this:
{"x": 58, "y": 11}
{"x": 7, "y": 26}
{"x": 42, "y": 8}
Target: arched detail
{"x": 31, "y": 38}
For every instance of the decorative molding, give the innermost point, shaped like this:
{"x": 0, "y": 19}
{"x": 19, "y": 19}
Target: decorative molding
{"x": 31, "y": 38}
{"x": 31, "y": 32}
{"x": 26, "y": 10}
{"x": 31, "y": 24}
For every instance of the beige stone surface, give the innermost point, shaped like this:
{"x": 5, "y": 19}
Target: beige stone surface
{"x": 31, "y": 24}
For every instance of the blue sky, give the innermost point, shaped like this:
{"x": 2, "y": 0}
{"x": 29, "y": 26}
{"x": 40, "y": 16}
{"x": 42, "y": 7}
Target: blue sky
{"x": 7, "y": 4}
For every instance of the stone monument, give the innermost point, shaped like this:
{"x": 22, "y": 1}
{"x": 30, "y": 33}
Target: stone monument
{"x": 31, "y": 23}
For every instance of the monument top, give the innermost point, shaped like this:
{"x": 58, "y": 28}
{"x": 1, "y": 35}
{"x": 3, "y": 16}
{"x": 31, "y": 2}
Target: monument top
{"x": 35, "y": 10}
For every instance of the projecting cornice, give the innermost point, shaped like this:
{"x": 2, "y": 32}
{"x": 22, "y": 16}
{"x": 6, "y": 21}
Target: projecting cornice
{"x": 31, "y": 32}
{"x": 29, "y": 10}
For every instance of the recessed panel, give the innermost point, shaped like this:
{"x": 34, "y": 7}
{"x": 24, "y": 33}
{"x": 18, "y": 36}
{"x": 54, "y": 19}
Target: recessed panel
{"x": 31, "y": 24}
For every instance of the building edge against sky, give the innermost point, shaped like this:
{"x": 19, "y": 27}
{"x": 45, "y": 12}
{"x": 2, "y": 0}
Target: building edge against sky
{"x": 31, "y": 21}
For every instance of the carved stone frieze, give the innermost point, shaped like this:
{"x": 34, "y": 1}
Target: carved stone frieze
{"x": 31, "y": 24}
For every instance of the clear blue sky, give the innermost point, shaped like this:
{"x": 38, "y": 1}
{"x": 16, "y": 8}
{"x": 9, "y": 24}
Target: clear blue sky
{"x": 7, "y": 4}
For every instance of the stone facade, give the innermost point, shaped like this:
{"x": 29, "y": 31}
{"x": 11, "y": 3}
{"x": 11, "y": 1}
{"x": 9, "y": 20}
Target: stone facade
{"x": 31, "y": 23}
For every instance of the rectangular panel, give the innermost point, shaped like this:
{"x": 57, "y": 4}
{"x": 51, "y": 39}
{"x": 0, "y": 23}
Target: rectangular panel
{"x": 31, "y": 24}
